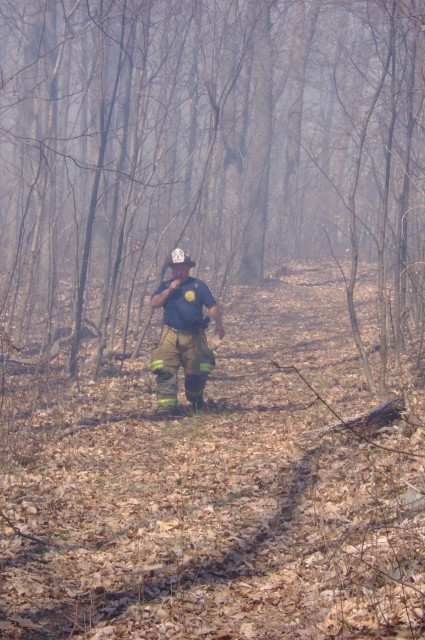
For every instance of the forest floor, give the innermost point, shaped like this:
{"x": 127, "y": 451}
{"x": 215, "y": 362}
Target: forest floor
{"x": 259, "y": 519}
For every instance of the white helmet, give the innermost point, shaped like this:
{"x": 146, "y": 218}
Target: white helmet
{"x": 178, "y": 256}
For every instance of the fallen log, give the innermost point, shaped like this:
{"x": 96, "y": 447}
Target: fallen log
{"x": 375, "y": 418}
{"x": 19, "y": 367}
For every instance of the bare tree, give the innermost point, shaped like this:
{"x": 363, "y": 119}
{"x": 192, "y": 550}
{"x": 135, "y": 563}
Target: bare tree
{"x": 105, "y": 113}
{"x": 251, "y": 265}
{"x": 304, "y": 27}
{"x": 402, "y": 220}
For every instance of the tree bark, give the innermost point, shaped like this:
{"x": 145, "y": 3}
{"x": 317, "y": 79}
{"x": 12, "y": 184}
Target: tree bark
{"x": 251, "y": 264}
{"x": 304, "y": 28}
{"x": 402, "y": 226}
{"x": 106, "y": 109}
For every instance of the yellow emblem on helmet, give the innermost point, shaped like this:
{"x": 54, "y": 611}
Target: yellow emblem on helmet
{"x": 190, "y": 296}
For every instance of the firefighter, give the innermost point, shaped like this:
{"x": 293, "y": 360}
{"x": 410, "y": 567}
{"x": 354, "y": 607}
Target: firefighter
{"x": 183, "y": 339}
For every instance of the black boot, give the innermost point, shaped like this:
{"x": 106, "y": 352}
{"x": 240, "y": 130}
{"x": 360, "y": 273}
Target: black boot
{"x": 199, "y": 405}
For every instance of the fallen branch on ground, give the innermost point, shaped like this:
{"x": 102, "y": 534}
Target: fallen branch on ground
{"x": 376, "y": 417}
{"x": 20, "y": 533}
{"x": 344, "y": 424}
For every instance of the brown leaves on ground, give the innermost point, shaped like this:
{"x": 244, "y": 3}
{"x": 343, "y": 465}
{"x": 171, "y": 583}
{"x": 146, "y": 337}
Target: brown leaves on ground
{"x": 250, "y": 521}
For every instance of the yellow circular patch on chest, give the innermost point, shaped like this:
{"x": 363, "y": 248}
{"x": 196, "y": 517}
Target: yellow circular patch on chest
{"x": 190, "y": 296}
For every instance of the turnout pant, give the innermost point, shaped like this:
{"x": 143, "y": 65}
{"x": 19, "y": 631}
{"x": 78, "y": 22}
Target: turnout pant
{"x": 186, "y": 349}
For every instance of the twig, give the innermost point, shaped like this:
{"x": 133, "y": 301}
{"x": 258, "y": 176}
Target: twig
{"x": 20, "y": 533}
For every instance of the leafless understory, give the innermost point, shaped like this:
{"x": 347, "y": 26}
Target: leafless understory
{"x": 281, "y": 143}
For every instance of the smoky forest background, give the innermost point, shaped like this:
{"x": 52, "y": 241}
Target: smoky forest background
{"x": 251, "y": 133}
{"x": 282, "y": 144}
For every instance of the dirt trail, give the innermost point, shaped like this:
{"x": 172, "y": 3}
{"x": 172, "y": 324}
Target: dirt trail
{"x": 231, "y": 524}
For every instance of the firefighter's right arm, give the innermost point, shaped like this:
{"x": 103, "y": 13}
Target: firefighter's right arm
{"x": 159, "y": 299}
{"x": 215, "y": 314}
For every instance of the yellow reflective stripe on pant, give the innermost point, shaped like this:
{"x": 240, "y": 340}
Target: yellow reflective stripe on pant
{"x": 163, "y": 402}
{"x": 194, "y": 395}
{"x": 206, "y": 367}
{"x": 157, "y": 365}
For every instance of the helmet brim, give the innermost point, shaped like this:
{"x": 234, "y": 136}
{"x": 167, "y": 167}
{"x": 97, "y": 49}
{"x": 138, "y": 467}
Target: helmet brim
{"x": 188, "y": 264}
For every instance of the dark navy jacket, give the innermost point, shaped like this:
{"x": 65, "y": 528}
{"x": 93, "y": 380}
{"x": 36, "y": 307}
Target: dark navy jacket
{"x": 183, "y": 307}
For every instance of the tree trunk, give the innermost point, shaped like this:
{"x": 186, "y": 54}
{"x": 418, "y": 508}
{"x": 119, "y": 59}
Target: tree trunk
{"x": 402, "y": 227}
{"x": 354, "y": 234}
{"x": 251, "y": 265}
{"x": 383, "y": 223}
{"x": 105, "y": 115}
{"x": 304, "y": 31}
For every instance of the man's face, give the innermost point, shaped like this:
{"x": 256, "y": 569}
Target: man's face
{"x": 180, "y": 271}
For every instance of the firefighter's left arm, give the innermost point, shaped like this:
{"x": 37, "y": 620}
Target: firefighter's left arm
{"x": 215, "y": 314}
